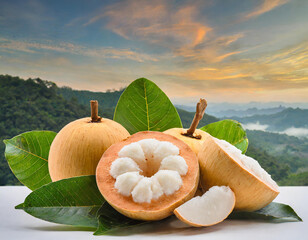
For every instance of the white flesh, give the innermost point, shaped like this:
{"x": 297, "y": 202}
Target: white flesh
{"x": 143, "y": 191}
{"x": 126, "y": 182}
{"x": 211, "y": 208}
{"x": 165, "y": 149}
{"x": 123, "y": 165}
{"x": 169, "y": 180}
{"x": 247, "y": 162}
{"x": 158, "y": 161}
{"x": 135, "y": 152}
{"x": 176, "y": 163}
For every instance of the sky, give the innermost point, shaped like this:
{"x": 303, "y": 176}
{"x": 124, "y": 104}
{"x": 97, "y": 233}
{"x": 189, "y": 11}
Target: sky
{"x": 223, "y": 50}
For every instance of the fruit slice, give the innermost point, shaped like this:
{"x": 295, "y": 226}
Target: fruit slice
{"x": 148, "y": 175}
{"x": 211, "y": 208}
{"x": 223, "y": 164}
{"x": 192, "y": 136}
{"x": 78, "y": 147}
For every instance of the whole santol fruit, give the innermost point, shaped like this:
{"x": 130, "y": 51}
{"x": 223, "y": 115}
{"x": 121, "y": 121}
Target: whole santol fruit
{"x": 78, "y": 147}
{"x": 192, "y": 136}
{"x": 148, "y": 175}
{"x": 223, "y": 164}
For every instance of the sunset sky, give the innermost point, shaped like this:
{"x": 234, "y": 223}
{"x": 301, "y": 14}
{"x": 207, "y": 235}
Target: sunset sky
{"x": 224, "y": 50}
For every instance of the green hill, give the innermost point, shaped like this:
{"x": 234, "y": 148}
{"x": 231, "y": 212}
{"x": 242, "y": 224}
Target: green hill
{"x": 290, "y": 117}
{"x": 35, "y": 104}
{"x": 300, "y": 179}
{"x": 290, "y": 150}
{"x": 107, "y": 100}
{"x": 187, "y": 118}
{"x": 271, "y": 164}
{"x": 31, "y": 105}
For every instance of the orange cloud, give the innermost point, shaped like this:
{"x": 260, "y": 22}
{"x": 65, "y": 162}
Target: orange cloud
{"x": 179, "y": 29}
{"x": 212, "y": 50}
{"x": 266, "y": 6}
{"x": 155, "y": 22}
{"x": 64, "y": 47}
{"x": 276, "y": 71}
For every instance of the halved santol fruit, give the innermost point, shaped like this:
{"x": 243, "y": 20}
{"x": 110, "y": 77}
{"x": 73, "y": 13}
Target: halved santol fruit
{"x": 192, "y": 136}
{"x": 211, "y": 208}
{"x": 223, "y": 164}
{"x": 78, "y": 147}
{"x": 148, "y": 175}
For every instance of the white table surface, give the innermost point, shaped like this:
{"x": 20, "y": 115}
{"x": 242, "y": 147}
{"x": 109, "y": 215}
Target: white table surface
{"x": 16, "y": 224}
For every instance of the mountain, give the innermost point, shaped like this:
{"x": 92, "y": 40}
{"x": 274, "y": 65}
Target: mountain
{"x": 187, "y": 108}
{"x": 36, "y": 104}
{"x": 187, "y": 118}
{"x": 278, "y": 170}
{"x": 218, "y": 109}
{"x": 299, "y": 179}
{"x": 107, "y": 99}
{"x": 31, "y": 105}
{"x": 290, "y": 117}
{"x": 249, "y": 112}
{"x": 289, "y": 150}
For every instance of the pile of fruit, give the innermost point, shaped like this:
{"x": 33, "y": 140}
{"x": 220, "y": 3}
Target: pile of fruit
{"x": 142, "y": 167}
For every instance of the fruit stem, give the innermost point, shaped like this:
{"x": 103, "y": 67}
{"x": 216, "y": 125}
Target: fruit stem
{"x": 200, "y": 109}
{"x": 94, "y": 111}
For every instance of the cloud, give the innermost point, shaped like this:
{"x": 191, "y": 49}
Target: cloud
{"x": 266, "y": 6}
{"x": 282, "y": 69}
{"x": 212, "y": 50}
{"x": 181, "y": 29}
{"x": 157, "y": 22}
{"x": 195, "y": 53}
{"x": 65, "y": 47}
{"x": 292, "y": 131}
{"x": 89, "y": 75}
{"x": 255, "y": 126}
{"x": 297, "y": 132}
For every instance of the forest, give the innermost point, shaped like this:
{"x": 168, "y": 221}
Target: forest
{"x": 36, "y": 104}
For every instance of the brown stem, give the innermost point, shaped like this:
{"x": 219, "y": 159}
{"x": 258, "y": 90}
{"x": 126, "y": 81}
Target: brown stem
{"x": 94, "y": 111}
{"x": 200, "y": 109}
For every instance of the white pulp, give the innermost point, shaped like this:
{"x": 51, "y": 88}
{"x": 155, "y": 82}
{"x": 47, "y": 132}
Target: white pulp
{"x": 158, "y": 161}
{"x": 123, "y": 165}
{"x": 126, "y": 182}
{"x": 212, "y": 207}
{"x": 247, "y": 162}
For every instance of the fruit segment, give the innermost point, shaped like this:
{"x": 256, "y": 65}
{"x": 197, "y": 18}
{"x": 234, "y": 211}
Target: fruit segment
{"x": 211, "y": 208}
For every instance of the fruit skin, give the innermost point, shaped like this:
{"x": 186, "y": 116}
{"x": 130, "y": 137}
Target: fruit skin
{"x": 78, "y": 147}
{"x": 218, "y": 168}
{"x": 157, "y": 209}
{"x": 194, "y": 143}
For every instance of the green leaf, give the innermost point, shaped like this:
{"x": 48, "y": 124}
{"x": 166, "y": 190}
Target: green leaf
{"x": 276, "y": 212}
{"x": 27, "y": 156}
{"x": 72, "y": 201}
{"x": 109, "y": 220}
{"x": 230, "y": 131}
{"x": 143, "y": 106}
{"x": 19, "y": 206}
